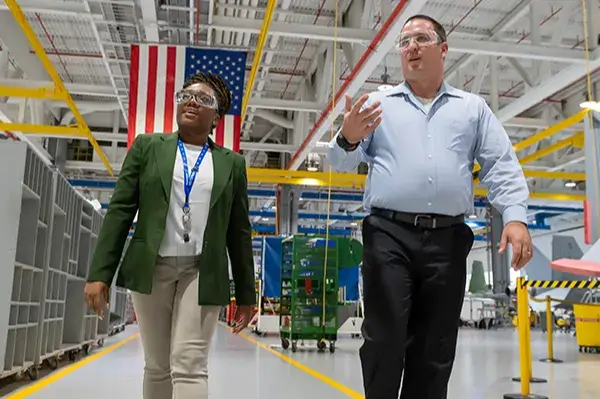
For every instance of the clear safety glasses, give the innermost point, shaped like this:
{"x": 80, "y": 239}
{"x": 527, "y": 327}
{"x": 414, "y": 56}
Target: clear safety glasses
{"x": 421, "y": 39}
{"x": 202, "y": 99}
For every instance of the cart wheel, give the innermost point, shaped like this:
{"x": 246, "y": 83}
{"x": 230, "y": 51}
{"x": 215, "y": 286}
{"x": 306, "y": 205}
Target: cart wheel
{"x": 101, "y": 342}
{"x": 580, "y": 348}
{"x": 73, "y": 355}
{"x": 294, "y": 346}
{"x": 87, "y": 349}
{"x": 321, "y": 345}
{"x": 52, "y": 363}
{"x": 285, "y": 343}
{"x": 18, "y": 376}
{"x": 332, "y": 347}
{"x": 32, "y": 373}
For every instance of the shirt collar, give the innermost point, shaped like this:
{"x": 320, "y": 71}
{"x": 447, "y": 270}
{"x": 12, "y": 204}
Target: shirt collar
{"x": 445, "y": 89}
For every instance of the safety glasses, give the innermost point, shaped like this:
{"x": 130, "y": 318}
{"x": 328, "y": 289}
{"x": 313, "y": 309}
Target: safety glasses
{"x": 421, "y": 39}
{"x": 202, "y": 99}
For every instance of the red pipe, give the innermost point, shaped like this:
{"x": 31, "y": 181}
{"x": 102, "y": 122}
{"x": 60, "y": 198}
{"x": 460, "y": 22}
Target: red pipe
{"x": 460, "y": 21}
{"x": 302, "y": 51}
{"x": 370, "y": 49}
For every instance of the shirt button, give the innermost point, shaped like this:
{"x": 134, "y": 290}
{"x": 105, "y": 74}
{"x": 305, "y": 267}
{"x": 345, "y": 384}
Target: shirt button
{"x": 430, "y": 179}
{"x": 429, "y": 203}
{"x": 429, "y": 136}
{"x": 430, "y": 156}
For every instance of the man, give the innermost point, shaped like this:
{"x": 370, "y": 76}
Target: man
{"x": 420, "y": 140}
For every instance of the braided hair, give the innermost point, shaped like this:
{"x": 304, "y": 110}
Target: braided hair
{"x": 217, "y": 84}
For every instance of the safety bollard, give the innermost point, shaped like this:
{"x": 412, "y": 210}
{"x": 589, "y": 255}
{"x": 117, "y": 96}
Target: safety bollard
{"x": 550, "y": 332}
{"x": 524, "y": 328}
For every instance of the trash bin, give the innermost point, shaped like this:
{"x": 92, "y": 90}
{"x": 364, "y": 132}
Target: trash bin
{"x": 587, "y": 326}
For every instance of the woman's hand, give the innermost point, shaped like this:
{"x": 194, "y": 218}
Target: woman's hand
{"x": 243, "y": 314}
{"x": 96, "y": 296}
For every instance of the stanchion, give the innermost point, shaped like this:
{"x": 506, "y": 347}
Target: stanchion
{"x": 524, "y": 345}
{"x": 550, "y": 332}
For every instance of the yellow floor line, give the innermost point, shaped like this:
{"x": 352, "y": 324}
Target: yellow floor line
{"x": 63, "y": 372}
{"x": 321, "y": 377}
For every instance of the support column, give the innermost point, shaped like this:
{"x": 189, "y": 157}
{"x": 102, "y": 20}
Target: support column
{"x": 592, "y": 163}
{"x": 57, "y": 148}
{"x": 287, "y": 210}
{"x": 500, "y": 262}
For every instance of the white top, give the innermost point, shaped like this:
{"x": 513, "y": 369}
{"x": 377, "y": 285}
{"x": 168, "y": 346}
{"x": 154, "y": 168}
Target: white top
{"x": 426, "y": 102}
{"x": 172, "y": 243}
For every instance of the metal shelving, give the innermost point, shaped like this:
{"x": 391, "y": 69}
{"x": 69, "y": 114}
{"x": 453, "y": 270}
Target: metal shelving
{"x": 48, "y": 233}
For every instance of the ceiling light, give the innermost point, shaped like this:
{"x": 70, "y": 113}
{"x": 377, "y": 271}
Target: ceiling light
{"x": 570, "y": 184}
{"x": 591, "y": 105}
{"x": 473, "y": 217}
{"x": 312, "y": 168}
{"x": 384, "y": 87}
{"x": 353, "y": 224}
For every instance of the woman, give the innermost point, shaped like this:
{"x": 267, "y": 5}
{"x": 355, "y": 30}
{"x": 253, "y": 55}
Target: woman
{"x": 192, "y": 199}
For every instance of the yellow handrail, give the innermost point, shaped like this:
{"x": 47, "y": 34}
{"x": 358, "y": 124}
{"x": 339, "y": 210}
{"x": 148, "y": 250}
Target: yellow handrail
{"x": 262, "y": 38}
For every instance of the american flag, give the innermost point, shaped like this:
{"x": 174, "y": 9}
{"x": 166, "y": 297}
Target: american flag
{"x": 159, "y": 71}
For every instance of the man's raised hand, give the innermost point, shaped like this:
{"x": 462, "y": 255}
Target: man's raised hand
{"x": 358, "y": 123}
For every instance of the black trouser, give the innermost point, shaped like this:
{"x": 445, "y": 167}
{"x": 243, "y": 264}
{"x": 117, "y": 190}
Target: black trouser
{"x": 414, "y": 285}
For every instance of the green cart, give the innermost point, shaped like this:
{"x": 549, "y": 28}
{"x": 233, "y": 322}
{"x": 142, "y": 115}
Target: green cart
{"x": 309, "y": 291}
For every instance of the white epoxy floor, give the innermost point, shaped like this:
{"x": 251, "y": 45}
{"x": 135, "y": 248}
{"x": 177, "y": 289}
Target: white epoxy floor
{"x": 486, "y": 361}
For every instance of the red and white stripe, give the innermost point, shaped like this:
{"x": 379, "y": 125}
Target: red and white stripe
{"x": 157, "y": 72}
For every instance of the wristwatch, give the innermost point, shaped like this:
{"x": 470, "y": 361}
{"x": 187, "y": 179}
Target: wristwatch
{"x": 345, "y": 144}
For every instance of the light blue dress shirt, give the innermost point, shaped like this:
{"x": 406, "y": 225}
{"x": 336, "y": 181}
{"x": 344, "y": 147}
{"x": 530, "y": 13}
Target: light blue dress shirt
{"x": 421, "y": 159}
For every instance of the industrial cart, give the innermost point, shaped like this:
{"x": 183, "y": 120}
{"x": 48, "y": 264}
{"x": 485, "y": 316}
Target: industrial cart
{"x": 309, "y": 291}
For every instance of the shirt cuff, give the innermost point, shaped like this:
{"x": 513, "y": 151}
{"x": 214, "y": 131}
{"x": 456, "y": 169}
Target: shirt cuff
{"x": 515, "y": 213}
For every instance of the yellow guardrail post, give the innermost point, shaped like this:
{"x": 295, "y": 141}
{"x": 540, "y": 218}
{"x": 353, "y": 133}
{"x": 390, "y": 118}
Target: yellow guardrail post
{"x": 524, "y": 328}
{"x": 550, "y": 332}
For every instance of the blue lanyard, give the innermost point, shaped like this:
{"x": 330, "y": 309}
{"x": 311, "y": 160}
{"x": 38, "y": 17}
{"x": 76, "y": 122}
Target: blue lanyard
{"x": 188, "y": 179}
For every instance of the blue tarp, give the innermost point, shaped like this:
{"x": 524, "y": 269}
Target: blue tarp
{"x": 272, "y": 267}
{"x": 348, "y": 277}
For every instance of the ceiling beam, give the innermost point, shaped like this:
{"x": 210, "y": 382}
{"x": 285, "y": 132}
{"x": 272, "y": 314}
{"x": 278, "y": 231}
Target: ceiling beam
{"x": 295, "y": 30}
{"x": 527, "y": 51}
{"x": 508, "y": 21}
{"x": 364, "y": 36}
{"x": 537, "y": 94}
{"x": 149, "y": 20}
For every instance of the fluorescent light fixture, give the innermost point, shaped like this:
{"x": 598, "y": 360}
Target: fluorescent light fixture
{"x": 591, "y": 105}
{"x": 312, "y": 168}
{"x": 353, "y": 224}
{"x": 473, "y": 217}
{"x": 570, "y": 184}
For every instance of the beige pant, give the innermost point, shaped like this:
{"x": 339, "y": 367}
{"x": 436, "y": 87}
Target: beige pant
{"x": 175, "y": 332}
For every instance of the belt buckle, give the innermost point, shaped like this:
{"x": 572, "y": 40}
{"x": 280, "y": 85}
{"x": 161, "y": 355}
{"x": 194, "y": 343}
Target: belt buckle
{"x": 417, "y": 217}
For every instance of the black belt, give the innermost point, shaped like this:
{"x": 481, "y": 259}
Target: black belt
{"x": 423, "y": 220}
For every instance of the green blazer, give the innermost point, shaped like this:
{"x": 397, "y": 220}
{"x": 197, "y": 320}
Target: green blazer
{"x": 144, "y": 186}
